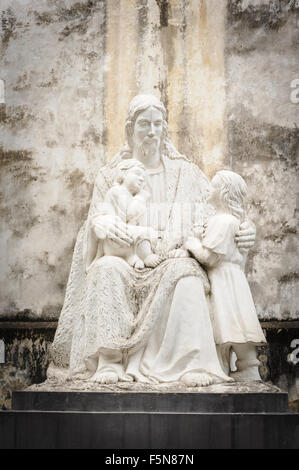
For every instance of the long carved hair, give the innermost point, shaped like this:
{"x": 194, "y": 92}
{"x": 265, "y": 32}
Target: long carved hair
{"x": 232, "y": 190}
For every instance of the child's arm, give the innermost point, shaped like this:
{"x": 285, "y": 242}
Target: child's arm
{"x": 203, "y": 255}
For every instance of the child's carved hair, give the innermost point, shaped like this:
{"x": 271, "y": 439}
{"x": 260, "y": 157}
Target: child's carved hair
{"x": 232, "y": 190}
{"x": 126, "y": 165}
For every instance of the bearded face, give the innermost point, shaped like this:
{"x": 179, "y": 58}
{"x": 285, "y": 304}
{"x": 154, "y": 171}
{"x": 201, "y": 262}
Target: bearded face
{"x": 148, "y": 129}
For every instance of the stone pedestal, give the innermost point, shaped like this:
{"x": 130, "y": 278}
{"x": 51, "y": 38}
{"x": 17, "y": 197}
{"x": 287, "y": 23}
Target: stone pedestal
{"x": 128, "y": 419}
{"x": 151, "y": 402}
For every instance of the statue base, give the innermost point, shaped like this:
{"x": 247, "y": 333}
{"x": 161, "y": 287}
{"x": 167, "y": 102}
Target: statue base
{"x": 244, "y": 415}
{"x": 223, "y": 398}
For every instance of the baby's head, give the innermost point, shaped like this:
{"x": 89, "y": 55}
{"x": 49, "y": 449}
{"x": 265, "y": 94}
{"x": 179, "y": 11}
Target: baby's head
{"x": 131, "y": 173}
{"x": 229, "y": 190}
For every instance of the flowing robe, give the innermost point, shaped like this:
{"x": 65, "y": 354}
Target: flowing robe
{"x": 154, "y": 324}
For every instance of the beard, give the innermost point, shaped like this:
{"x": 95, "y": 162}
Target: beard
{"x": 147, "y": 147}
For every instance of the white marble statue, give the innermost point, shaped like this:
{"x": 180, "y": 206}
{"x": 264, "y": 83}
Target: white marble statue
{"x": 127, "y": 199}
{"x": 233, "y": 313}
{"x": 150, "y": 325}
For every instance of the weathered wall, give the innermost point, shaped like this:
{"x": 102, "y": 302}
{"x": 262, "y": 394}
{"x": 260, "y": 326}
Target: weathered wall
{"x": 70, "y": 68}
{"x": 25, "y": 359}
{"x": 262, "y": 56}
{"x": 51, "y": 144}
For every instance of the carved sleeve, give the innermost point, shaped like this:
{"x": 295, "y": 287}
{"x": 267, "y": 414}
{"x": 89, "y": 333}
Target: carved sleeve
{"x": 220, "y": 234}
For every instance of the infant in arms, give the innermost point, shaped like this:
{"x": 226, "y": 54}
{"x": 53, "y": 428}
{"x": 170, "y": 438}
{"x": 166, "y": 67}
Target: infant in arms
{"x": 127, "y": 199}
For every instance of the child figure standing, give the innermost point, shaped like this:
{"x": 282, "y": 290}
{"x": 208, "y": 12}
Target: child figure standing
{"x": 233, "y": 312}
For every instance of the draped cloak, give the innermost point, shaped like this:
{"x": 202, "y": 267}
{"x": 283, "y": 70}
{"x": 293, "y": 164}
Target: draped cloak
{"x": 110, "y": 306}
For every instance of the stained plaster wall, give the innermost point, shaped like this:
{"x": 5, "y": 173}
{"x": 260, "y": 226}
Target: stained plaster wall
{"x": 262, "y": 59}
{"x": 69, "y": 69}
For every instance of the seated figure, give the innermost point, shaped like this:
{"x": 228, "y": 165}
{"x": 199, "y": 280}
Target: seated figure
{"x": 148, "y": 325}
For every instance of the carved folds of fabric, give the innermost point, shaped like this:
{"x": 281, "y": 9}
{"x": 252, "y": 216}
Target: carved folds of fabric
{"x": 88, "y": 316}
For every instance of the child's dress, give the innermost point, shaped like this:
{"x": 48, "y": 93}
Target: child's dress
{"x": 234, "y": 316}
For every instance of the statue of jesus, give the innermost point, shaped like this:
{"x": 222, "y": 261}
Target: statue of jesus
{"x": 151, "y": 325}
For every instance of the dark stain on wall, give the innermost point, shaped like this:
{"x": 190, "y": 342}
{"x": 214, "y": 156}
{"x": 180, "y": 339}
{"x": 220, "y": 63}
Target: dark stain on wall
{"x": 251, "y": 140}
{"x": 76, "y": 179}
{"x": 8, "y": 25}
{"x": 77, "y": 17}
{"x": 81, "y": 191}
{"x": 290, "y": 277}
{"x": 51, "y": 312}
{"x": 13, "y": 314}
{"x": 51, "y": 82}
{"x": 23, "y": 82}
{"x": 92, "y": 135}
{"x": 26, "y": 360}
{"x": 17, "y": 116}
{"x": 270, "y": 16}
{"x": 164, "y": 13}
{"x": 13, "y": 157}
{"x": 60, "y": 210}
{"x": 20, "y": 164}
{"x": 16, "y": 209}
{"x": 142, "y": 18}
{"x": 2, "y": 112}
{"x": 282, "y": 371}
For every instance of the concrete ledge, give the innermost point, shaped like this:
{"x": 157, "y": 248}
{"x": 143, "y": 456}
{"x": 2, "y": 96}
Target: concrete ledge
{"x": 183, "y": 402}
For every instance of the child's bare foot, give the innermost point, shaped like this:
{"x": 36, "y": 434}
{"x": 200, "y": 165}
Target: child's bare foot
{"x": 139, "y": 264}
{"x": 135, "y": 262}
{"x": 151, "y": 261}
